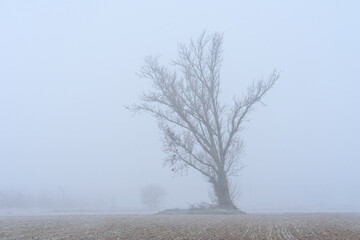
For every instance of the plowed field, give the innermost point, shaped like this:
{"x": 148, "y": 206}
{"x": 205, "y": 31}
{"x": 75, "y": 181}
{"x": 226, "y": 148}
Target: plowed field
{"x": 249, "y": 226}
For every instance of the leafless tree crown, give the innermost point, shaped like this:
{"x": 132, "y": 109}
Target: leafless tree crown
{"x": 198, "y": 130}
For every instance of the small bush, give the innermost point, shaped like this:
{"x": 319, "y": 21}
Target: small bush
{"x": 202, "y": 206}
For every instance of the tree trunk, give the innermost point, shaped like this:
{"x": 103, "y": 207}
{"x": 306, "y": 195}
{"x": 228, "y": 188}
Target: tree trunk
{"x": 222, "y": 193}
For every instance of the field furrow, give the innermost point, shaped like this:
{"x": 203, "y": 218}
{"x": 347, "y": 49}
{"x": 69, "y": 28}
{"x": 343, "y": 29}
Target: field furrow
{"x": 248, "y": 226}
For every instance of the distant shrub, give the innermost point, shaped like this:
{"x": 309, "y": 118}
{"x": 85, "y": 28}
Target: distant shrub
{"x": 202, "y": 206}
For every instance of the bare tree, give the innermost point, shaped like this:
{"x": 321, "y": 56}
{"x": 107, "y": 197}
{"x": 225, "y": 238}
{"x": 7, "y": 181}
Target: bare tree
{"x": 152, "y": 195}
{"x": 198, "y": 131}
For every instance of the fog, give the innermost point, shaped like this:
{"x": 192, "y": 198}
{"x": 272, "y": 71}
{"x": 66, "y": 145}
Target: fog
{"x": 68, "y": 68}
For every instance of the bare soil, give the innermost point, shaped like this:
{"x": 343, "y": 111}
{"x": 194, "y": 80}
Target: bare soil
{"x": 248, "y": 226}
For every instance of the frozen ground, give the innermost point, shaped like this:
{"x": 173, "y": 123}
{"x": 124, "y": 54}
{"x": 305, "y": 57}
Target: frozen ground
{"x": 250, "y": 226}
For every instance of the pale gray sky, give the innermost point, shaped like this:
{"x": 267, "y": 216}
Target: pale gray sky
{"x": 67, "y": 68}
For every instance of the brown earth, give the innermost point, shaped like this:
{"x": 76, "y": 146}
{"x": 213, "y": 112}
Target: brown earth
{"x": 249, "y": 226}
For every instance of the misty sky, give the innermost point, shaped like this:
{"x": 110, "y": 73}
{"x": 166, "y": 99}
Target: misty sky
{"x": 68, "y": 68}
